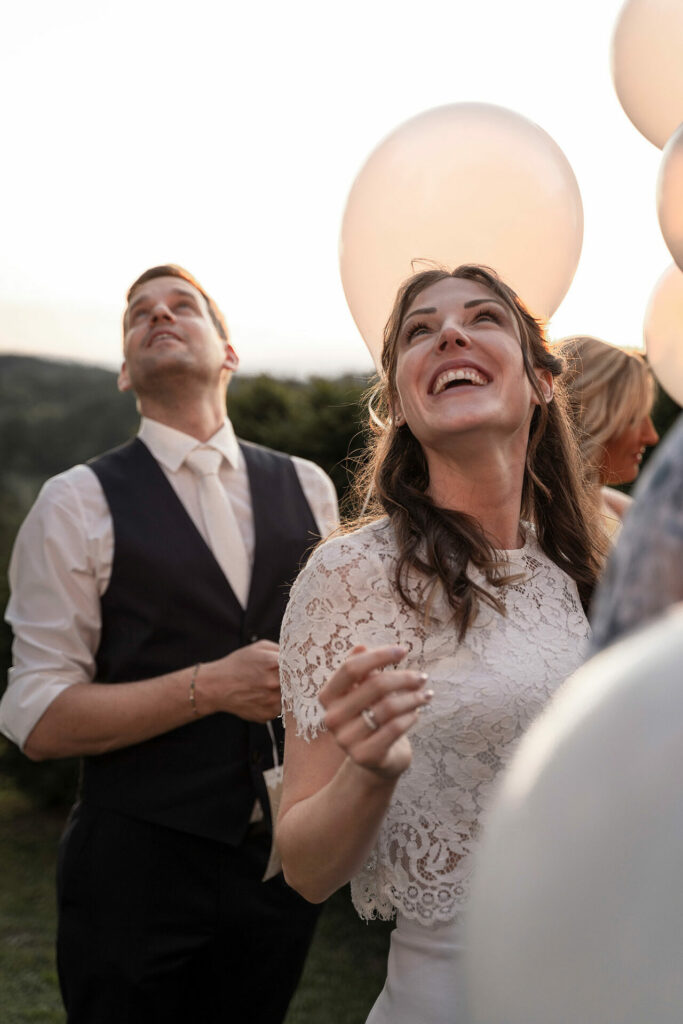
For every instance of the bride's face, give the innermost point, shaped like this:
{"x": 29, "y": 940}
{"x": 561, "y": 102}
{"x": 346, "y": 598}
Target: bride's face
{"x": 459, "y": 366}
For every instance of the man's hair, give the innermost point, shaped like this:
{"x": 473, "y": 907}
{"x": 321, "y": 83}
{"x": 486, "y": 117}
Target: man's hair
{"x": 173, "y": 270}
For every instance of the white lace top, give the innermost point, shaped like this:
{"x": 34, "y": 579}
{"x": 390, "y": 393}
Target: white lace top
{"x": 487, "y": 690}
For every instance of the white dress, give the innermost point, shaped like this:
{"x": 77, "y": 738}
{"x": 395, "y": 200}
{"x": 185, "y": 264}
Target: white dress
{"x": 487, "y": 690}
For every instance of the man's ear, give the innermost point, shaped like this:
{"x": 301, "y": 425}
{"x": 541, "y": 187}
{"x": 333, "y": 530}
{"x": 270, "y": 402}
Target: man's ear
{"x": 123, "y": 381}
{"x": 232, "y": 360}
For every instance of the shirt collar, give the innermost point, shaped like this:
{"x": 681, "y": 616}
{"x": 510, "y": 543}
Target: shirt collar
{"x": 170, "y": 446}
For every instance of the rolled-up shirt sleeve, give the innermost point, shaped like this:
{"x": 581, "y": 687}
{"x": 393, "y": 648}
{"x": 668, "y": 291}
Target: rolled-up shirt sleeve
{"x": 60, "y": 566}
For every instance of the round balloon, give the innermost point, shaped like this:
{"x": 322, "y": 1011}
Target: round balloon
{"x": 670, "y": 196}
{"x": 663, "y": 331}
{"x": 464, "y": 183}
{"x": 576, "y": 911}
{"x": 647, "y": 67}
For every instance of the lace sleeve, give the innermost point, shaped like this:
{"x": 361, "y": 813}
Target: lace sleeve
{"x": 342, "y": 598}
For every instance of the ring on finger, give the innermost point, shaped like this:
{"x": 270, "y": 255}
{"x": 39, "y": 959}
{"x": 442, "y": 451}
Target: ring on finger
{"x": 370, "y": 719}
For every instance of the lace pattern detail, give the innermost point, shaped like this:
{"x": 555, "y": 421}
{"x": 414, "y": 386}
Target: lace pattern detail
{"x": 487, "y": 691}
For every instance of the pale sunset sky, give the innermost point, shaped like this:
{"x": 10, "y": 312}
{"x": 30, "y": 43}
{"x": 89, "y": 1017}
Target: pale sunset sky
{"x": 226, "y": 136}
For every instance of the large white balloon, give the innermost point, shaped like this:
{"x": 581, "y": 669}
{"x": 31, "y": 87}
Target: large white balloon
{"x": 670, "y": 195}
{"x": 576, "y": 914}
{"x": 647, "y": 65}
{"x": 464, "y": 183}
{"x": 663, "y": 332}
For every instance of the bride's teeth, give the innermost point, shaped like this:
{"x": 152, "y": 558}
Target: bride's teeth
{"x": 462, "y": 374}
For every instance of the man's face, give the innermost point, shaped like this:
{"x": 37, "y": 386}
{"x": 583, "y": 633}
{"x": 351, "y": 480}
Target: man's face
{"x": 168, "y": 331}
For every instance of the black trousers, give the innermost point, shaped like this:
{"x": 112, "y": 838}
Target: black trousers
{"x": 159, "y": 926}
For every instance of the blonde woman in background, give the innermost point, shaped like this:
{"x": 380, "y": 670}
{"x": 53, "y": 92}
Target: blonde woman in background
{"x": 611, "y": 392}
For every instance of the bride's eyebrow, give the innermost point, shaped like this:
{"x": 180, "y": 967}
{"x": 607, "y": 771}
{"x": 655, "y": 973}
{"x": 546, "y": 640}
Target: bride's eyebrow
{"x": 425, "y": 309}
{"x": 483, "y": 302}
{"x": 418, "y": 312}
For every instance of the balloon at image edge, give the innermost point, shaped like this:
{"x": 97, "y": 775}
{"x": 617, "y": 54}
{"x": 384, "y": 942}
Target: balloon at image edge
{"x": 575, "y": 914}
{"x": 670, "y": 196}
{"x": 462, "y": 183}
{"x": 647, "y": 68}
{"x": 663, "y": 332}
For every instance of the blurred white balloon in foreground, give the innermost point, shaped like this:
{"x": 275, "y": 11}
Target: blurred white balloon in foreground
{"x": 464, "y": 183}
{"x": 647, "y": 65}
{"x": 663, "y": 332}
{"x": 670, "y": 195}
{"x": 576, "y": 914}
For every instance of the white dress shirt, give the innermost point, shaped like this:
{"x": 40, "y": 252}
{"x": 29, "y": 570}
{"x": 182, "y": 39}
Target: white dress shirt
{"x": 62, "y": 559}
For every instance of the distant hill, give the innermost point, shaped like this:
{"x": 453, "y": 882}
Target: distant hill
{"x": 54, "y": 414}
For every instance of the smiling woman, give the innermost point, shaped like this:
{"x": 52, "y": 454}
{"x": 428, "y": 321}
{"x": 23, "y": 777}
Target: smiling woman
{"x": 507, "y": 446}
{"x": 611, "y": 392}
{"x": 472, "y": 569}
{"x": 459, "y": 370}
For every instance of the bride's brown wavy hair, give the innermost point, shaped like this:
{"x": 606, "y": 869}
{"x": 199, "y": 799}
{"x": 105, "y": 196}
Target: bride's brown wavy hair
{"x": 440, "y": 543}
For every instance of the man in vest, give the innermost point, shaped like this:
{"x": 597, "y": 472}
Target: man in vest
{"x": 147, "y": 594}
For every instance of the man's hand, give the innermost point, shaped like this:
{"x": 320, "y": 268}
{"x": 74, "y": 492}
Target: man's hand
{"x": 245, "y": 683}
{"x": 87, "y": 719}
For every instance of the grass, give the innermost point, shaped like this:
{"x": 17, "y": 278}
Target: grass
{"x": 28, "y": 978}
{"x": 345, "y": 969}
{"x": 342, "y": 978}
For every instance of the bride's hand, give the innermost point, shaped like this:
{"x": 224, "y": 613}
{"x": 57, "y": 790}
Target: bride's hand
{"x": 369, "y": 711}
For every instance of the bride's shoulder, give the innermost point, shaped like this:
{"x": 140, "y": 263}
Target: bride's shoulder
{"x": 367, "y": 543}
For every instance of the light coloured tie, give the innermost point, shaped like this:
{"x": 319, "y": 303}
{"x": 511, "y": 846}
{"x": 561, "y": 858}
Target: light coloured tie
{"x": 225, "y": 539}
